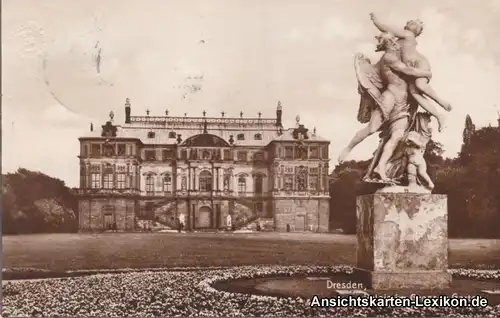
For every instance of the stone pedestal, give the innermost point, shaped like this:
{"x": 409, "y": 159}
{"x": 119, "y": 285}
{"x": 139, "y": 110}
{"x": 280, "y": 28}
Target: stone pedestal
{"x": 403, "y": 241}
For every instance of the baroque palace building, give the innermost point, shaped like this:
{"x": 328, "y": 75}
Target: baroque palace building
{"x": 198, "y": 170}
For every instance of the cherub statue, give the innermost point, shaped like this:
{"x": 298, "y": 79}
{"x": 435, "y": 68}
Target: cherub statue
{"x": 416, "y": 143}
{"x": 418, "y": 87}
{"x": 407, "y": 166}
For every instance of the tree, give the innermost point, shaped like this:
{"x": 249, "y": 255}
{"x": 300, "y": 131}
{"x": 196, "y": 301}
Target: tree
{"x": 345, "y": 185}
{"x": 471, "y": 181}
{"x": 468, "y": 130}
{"x": 34, "y": 202}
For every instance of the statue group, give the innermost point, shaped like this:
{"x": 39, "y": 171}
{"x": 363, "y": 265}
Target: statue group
{"x": 402, "y": 228}
{"x": 391, "y": 92}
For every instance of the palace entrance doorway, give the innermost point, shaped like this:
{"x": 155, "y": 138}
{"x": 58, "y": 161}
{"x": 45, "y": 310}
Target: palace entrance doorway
{"x": 204, "y": 218}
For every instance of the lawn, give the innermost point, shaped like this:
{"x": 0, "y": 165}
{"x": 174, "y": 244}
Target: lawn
{"x": 61, "y": 252}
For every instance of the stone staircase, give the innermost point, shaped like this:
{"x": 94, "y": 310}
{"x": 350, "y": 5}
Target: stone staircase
{"x": 150, "y": 225}
{"x": 165, "y": 215}
{"x": 266, "y": 225}
{"x": 243, "y": 213}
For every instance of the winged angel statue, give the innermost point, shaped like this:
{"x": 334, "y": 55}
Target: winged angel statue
{"x": 387, "y": 107}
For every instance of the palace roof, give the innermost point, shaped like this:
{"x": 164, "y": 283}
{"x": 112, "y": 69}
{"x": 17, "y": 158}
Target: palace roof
{"x": 165, "y": 130}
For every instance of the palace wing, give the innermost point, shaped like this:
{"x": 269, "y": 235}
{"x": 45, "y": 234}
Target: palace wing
{"x": 369, "y": 86}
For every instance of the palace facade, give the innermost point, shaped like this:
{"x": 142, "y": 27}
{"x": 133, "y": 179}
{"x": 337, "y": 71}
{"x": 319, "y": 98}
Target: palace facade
{"x": 199, "y": 170}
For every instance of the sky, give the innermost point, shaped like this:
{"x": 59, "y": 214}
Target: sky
{"x": 66, "y": 64}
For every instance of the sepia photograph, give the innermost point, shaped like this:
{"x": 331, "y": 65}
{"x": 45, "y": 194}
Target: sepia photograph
{"x": 238, "y": 158}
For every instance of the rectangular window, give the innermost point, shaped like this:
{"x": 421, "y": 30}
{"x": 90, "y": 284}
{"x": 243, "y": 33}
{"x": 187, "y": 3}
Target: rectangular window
{"x": 227, "y": 155}
{"x": 313, "y": 153}
{"x": 150, "y": 155}
{"x": 258, "y": 157}
{"x": 288, "y": 152}
{"x": 96, "y": 180}
{"x": 168, "y": 154}
{"x": 324, "y": 152}
{"x": 96, "y": 150}
{"x": 150, "y": 185}
{"x": 313, "y": 183}
{"x": 108, "y": 181}
{"x": 242, "y": 156}
{"x": 205, "y": 184}
{"x": 183, "y": 154}
{"x": 122, "y": 149}
{"x": 120, "y": 180}
{"x": 167, "y": 183}
{"x": 242, "y": 184}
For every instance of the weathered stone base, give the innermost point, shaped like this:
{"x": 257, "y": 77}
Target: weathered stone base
{"x": 403, "y": 240}
{"x": 404, "y": 280}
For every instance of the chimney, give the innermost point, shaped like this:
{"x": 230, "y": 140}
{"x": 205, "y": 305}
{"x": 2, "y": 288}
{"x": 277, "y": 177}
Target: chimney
{"x": 127, "y": 111}
{"x": 279, "y": 113}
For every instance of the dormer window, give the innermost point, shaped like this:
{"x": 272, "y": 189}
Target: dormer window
{"x": 172, "y": 134}
{"x": 151, "y": 134}
{"x": 257, "y": 137}
{"x": 240, "y": 137}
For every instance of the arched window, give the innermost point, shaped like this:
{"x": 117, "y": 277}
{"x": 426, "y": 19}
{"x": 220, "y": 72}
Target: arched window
{"x": 167, "y": 183}
{"x": 205, "y": 181}
{"x": 257, "y": 137}
{"x": 242, "y": 184}
{"x": 150, "y": 185}
{"x": 258, "y": 184}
